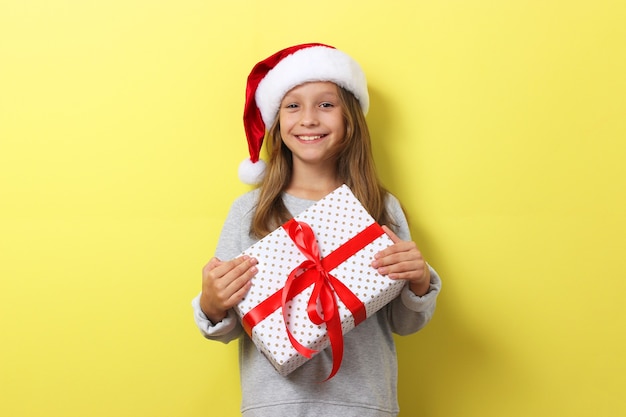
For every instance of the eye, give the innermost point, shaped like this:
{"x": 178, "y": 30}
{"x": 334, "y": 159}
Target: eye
{"x": 327, "y": 104}
{"x": 291, "y": 106}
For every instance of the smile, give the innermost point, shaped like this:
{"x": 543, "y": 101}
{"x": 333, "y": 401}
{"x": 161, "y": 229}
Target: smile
{"x": 309, "y": 138}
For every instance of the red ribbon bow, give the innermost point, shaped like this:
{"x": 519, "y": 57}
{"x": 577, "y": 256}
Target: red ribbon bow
{"x": 326, "y": 288}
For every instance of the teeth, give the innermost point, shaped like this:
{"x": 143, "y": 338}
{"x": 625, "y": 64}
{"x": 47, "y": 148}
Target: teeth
{"x": 307, "y": 138}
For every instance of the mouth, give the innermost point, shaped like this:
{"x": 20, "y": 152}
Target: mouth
{"x": 310, "y": 138}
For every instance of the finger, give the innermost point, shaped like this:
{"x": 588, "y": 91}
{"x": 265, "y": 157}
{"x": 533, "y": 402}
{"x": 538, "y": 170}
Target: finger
{"x": 242, "y": 273}
{"x": 225, "y": 268}
{"x": 228, "y": 277}
{"x": 227, "y": 283}
{"x": 394, "y": 238}
{"x": 399, "y": 245}
{"x": 397, "y": 255}
{"x": 399, "y": 267}
{"x": 240, "y": 281}
{"x": 239, "y": 295}
{"x": 403, "y": 269}
{"x": 243, "y": 264}
{"x": 212, "y": 264}
{"x": 398, "y": 252}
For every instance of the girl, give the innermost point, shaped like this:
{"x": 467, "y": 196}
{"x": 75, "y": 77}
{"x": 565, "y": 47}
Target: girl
{"x": 313, "y": 98}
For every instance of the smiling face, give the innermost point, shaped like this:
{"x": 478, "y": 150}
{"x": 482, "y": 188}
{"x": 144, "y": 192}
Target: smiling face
{"x": 312, "y": 123}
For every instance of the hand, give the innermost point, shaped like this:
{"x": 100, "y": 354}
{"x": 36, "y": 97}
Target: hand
{"x": 403, "y": 260}
{"x": 224, "y": 284}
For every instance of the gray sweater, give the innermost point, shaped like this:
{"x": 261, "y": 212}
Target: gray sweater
{"x": 365, "y": 385}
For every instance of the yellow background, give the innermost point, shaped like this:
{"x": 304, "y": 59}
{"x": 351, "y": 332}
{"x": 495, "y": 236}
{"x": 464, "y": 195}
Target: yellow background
{"x": 500, "y": 125}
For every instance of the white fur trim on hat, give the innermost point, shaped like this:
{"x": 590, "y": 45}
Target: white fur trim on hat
{"x": 317, "y": 63}
{"x": 251, "y": 173}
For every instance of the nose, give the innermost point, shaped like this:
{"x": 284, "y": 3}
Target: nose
{"x": 309, "y": 117}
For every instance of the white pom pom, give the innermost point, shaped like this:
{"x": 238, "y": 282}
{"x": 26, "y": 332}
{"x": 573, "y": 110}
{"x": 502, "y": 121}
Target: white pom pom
{"x": 251, "y": 172}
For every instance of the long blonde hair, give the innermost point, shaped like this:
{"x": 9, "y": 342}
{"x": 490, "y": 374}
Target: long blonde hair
{"x": 355, "y": 168}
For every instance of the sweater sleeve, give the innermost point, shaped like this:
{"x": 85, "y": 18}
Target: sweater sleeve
{"x": 225, "y": 331}
{"x": 409, "y": 313}
{"x": 232, "y": 241}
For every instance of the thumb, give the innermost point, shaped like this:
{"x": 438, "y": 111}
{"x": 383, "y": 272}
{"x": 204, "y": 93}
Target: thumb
{"x": 394, "y": 238}
{"x": 214, "y": 262}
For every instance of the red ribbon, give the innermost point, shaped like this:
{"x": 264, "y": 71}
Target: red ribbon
{"x": 315, "y": 271}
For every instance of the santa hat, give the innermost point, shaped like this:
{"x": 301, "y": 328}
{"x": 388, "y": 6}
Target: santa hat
{"x": 276, "y": 75}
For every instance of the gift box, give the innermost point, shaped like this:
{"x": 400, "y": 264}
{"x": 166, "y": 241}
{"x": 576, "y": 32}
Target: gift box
{"x": 315, "y": 282}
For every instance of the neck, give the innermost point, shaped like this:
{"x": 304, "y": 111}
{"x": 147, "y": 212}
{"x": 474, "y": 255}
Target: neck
{"x": 312, "y": 184}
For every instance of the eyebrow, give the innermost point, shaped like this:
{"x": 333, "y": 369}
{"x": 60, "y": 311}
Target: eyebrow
{"x": 325, "y": 94}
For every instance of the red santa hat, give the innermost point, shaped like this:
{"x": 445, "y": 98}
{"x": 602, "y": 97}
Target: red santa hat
{"x": 276, "y": 75}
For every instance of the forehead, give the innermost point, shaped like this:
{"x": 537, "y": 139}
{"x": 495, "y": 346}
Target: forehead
{"x": 313, "y": 88}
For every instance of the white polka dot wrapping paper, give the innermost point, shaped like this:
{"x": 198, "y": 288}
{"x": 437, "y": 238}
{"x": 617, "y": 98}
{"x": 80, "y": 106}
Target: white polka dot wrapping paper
{"x": 279, "y": 312}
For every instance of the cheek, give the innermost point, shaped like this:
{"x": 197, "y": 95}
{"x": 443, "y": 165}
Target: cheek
{"x": 340, "y": 123}
{"x": 285, "y": 123}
